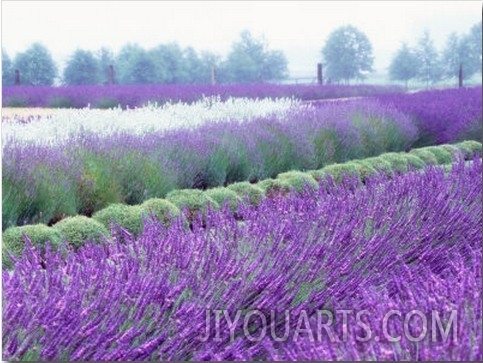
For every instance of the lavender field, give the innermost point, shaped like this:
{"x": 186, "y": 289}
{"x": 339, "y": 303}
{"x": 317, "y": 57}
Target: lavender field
{"x": 242, "y": 223}
{"x": 130, "y": 96}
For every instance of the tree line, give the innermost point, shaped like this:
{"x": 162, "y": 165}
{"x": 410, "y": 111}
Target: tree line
{"x": 250, "y": 60}
{"x": 346, "y": 55}
{"x": 422, "y": 62}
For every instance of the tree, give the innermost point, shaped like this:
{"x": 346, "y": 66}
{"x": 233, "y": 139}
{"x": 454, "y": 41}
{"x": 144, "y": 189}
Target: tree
{"x": 169, "y": 63}
{"x": 135, "y": 66}
{"x": 404, "y": 65}
{"x": 430, "y": 68}
{"x": 457, "y": 52}
{"x": 36, "y": 66}
{"x": 105, "y": 59}
{"x": 7, "y": 69}
{"x": 195, "y": 70}
{"x": 250, "y": 60}
{"x": 82, "y": 68}
{"x": 475, "y": 40}
{"x": 347, "y": 54}
{"x": 208, "y": 61}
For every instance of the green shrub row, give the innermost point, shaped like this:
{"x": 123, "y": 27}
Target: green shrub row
{"x": 187, "y": 203}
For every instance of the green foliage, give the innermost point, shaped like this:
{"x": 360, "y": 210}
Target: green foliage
{"x": 453, "y": 150}
{"x": 398, "y": 162}
{"x": 13, "y": 198}
{"x": 378, "y": 135}
{"x": 276, "y": 152}
{"x": 337, "y": 172}
{"x": 76, "y": 231}
{"x": 404, "y": 65}
{"x": 15, "y": 102}
{"x": 474, "y": 39}
{"x": 414, "y": 161}
{"x": 425, "y": 155}
{"x": 61, "y": 102}
{"x": 298, "y": 180}
{"x": 347, "y": 54}
{"x": 215, "y": 171}
{"x": 82, "y": 68}
{"x": 128, "y": 217}
{"x": 245, "y": 189}
{"x": 379, "y": 164}
{"x": 470, "y": 148}
{"x": 135, "y": 66}
{"x": 274, "y": 187}
{"x": 365, "y": 170}
{"x": 223, "y": 195}
{"x": 192, "y": 201}
{"x": 36, "y": 66}
{"x": 13, "y": 240}
{"x": 442, "y": 156}
{"x": 141, "y": 178}
{"x": 328, "y": 147}
{"x": 52, "y": 197}
{"x": 8, "y": 75}
{"x": 456, "y": 53}
{"x": 162, "y": 209}
{"x": 98, "y": 187}
{"x": 429, "y": 63}
{"x": 106, "y": 103}
{"x": 105, "y": 59}
{"x": 251, "y": 61}
{"x": 170, "y": 64}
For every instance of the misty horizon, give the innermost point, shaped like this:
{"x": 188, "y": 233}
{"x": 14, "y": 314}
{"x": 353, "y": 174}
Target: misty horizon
{"x": 287, "y": 26}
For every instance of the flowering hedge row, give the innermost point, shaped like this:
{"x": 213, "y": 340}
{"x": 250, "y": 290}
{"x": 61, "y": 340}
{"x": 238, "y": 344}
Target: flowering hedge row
{"x": 188, "y": 204}
{"x": 85, "y": 171}
{"x": 410, "y": 242}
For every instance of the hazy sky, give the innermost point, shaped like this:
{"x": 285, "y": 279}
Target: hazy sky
{"x": 299, "y": 28}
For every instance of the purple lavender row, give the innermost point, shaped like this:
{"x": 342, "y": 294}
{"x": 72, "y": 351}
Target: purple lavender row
{"x": 86, "y": 172}
{"x": 412, "y": 242}
{"x": 136, "y": 96}
{"x": 440, "y": 115}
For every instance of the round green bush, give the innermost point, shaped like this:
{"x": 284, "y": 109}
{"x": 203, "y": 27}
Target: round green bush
{"x": 398, "y": 162}
{"x": 162, "y": 209}
{"x": 365, "y": 169}
{"x": 413, "y": 161}
{"x": 425, "y": 155}
{"x": 455, "y": 152}
{"x": 221, "y": 195}
{"x": 191, "y": 200}
{"x": 338, "y": 171}
{"x": 442, "y": 156}
{"x": 298, "y": 180}
{"x": 13, "y": 240}
{"x": 79, "y": 229}
{"x": 244, "y": 189}
{"x": 129, "y": 217}
{"x": 273, "y": 187}
{"x": 379, "y": 164}
{"x": 469, "y": 148}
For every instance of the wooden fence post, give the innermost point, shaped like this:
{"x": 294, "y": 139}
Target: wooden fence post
{"x": 213, "y": 75}
{"x": 110, "y": 75}
{"x": 460, "y": 76}
{"x": 17, "y": 77}
{"x": 320, "y": 79}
